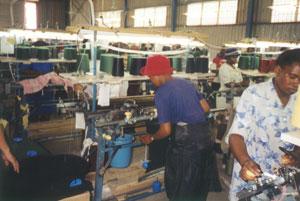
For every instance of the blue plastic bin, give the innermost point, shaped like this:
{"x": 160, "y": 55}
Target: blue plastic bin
{"x": 122, "y": 157}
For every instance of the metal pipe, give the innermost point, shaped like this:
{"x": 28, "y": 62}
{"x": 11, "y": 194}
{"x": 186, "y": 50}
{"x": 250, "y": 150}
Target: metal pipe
{"x": 63, "y": 137}
{"x": 99, "y": 162}
{"x": 92, "y": 12}
{"x": 125, "y": 13}
{"x": 125, "y": 122}
{"x": 250, "y": 16}
{"x": 142, "y": 196}
{"x": 12, "y": 12}
{"x": 94, "y": 52}
{"x": 174, "y": 15}
{"x": 101, "y": 141}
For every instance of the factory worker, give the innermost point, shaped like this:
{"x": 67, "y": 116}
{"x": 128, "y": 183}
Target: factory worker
{"x": 215, "y": 66}
{"x": 229, "y": 75}
{"x": 190, "y": 169}
{"x": 262, "y": 115}
{"x": 7, "y": 156}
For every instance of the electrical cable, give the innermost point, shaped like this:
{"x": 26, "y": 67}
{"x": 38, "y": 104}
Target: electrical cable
{"x": 10, "y": 69}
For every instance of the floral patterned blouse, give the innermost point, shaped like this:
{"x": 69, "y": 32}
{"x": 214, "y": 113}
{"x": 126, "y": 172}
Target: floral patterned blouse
{"x": 261, "y": 118}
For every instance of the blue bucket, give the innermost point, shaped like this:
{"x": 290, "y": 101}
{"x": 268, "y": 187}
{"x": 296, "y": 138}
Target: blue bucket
{"x": 122, "y": 157}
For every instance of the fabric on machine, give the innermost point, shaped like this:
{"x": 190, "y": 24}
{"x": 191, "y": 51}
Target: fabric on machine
{"x": 31, "y": 86}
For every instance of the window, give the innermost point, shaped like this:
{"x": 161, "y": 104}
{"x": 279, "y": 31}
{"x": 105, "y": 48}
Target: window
{"x": 147, "y": 17}
{"x": 212, "y": 12}
{"x": 30, "y": 15}
{"x": 109, "y": 19}
{"x": 228, "y": 12}
{"x": 285, "y": 11}
{"x": 194, "y": 12}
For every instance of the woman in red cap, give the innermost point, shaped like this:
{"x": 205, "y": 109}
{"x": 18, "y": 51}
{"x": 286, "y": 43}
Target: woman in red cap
{"x": 190, "y": 169}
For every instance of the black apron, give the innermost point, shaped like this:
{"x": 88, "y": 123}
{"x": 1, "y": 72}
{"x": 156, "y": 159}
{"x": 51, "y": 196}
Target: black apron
{"x": 191, "y": 169}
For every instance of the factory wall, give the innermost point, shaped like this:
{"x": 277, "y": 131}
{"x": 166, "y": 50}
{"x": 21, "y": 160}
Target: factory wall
{"x": 273, "y": 31}
{"x": 5, "y": 19}
{"x": 79, "y": 14}
{"x": 53, "y": 14}
{"x": 216, "y": 35}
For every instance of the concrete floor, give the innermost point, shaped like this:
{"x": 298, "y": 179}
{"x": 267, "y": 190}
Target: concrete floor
{"x": 212, "y": 196}
{"x": 221, "y": 196}
{"x": 138, "y": 156}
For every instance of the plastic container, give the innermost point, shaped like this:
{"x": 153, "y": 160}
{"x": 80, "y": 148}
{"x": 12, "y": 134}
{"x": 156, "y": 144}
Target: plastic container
{"x": 122, "y": 157}
{"x": 156, "y": 186}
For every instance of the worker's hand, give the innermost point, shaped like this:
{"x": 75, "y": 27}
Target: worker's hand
{"x": 250, "y": 170}
{"x": 146, "y": 139}
{"x": 10, "y": 159}
{"x": 288, "y": 160}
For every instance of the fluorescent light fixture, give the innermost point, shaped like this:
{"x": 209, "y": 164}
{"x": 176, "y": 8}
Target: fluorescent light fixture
{"x": 30, "y": 34}
{"x": 239, "y": 45}
{"x": 4, "y": 33}
{"x": 262, "y": 44}
{"x": 104, "y": 37}
{"x": 244, "y": 45}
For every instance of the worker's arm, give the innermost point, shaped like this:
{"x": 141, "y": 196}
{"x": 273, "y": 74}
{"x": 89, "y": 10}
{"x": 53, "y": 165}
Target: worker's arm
{"x": 249, "y": 169}
{"x": 244, "y": 83}
{"x": 3, "y": 145}
{"x": 232, "y": 84}
{"x": 7, "y": 156}
{"x": 163, "y": 131}
{"x": 205, "y": 106}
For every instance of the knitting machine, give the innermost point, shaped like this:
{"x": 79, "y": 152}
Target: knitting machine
{"x": 111, "y": 122}
{"x": 278, "y": 186}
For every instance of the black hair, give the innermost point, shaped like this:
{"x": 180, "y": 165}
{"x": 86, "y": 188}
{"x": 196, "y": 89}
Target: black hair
{"x": 288, "y": 58}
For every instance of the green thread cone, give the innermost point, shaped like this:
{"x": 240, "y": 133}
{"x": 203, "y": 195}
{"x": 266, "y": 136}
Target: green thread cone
{"x": 70, "y": 53}
{"x": 106, "y": 63}
{"x": 23, "y": 53}
{"x": 176, "y": 63}
{"x": 42, "y": 53}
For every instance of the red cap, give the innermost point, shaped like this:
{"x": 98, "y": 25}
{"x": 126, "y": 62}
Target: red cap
{"x": 157, "y": 65}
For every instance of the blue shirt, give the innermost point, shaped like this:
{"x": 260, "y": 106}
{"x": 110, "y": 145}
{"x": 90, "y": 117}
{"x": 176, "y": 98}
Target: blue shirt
{"x": 261, "y": 119}
{"x": 178, "y": 101}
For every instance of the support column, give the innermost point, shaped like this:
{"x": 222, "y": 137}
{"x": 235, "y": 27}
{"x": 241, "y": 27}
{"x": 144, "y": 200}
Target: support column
{"x": 125, "y": 13}
{"x": 250, "y": 19}
{"x": 174, "y": 15}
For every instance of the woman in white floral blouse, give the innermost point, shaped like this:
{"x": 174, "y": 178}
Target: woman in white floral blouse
{"x": 263, "y": 113}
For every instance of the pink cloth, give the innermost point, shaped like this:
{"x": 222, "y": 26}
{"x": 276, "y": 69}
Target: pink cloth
{"x": 31, "y": 86}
